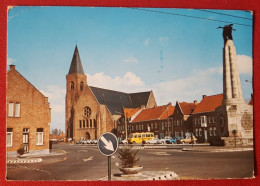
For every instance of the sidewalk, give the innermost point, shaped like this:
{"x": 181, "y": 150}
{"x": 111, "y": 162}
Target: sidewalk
{"x": 143, "y": 175}
{"x": 33, "y": 158}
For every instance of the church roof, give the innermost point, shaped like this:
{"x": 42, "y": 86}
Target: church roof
{"x": 76, "y": 66}
{"x": 209, "y": 104}
{"x": 116, "y": 101}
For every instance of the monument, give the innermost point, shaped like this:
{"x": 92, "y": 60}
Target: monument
{"x": 234, "y": 114}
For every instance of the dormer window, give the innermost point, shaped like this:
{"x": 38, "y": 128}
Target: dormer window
{"x": 72, "y": 85}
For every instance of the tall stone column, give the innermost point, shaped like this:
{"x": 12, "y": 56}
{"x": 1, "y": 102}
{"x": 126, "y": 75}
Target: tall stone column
{"x": 231, "y": 85}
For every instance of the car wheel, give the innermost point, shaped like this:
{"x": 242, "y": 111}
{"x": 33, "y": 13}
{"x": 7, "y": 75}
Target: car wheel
{"x": 133, "y": 142}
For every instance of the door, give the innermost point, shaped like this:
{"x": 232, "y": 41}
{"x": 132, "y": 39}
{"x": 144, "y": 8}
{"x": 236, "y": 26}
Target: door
{"x": 26, "y": 140}
{"x": 87, "y": 136}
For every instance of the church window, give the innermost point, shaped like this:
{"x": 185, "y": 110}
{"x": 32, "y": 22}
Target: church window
{"x": 95, "y": 123}
{"x": 81, "y": 85}
{"x": 90, "y": 123}
{"x": 86, "y": 112}
{"x": 72, "y": 85}
{"x": 80, "y": 124}
{"x": 87, "y": 123}
{"x": 83, "y": 123}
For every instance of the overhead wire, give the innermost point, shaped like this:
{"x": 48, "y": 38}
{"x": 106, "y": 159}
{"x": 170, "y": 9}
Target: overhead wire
{"x": 190, "y": 16}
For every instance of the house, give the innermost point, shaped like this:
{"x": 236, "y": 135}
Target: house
{"x": 204, "y": 117}
{"x": 182, "y": 120}
{"x": 157, "y": 119}
{"x": 91, "y": 111}
{"x": 28, "y": 116}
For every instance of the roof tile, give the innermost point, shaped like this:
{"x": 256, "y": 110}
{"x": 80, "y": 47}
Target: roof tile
{"x": 209, "y": 103}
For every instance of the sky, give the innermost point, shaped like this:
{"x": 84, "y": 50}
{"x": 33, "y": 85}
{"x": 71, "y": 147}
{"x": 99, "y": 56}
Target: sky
{"x": 176, "y": 53}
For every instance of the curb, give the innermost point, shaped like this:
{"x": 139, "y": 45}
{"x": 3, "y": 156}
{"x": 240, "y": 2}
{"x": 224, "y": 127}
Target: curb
{"x": 168, "y": 176}
{"x": 218, "y": 150}
{"x": 31, "y": 160}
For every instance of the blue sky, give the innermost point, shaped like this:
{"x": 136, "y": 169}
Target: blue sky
{"x": 129, "y": 50}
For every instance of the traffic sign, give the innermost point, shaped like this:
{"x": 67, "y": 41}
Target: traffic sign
{"x": 108, "y": 144}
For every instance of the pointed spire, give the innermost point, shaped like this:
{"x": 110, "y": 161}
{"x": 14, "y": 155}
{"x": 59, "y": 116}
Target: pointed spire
{"x": 76, "y": 66}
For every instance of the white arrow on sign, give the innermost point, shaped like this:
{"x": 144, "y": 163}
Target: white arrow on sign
{"x": 108, "y": 144}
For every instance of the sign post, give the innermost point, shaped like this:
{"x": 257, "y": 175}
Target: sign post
{"x": 108, "y": 145}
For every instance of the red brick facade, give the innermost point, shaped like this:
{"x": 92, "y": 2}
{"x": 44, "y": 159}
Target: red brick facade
{"x": 28, "y": 116}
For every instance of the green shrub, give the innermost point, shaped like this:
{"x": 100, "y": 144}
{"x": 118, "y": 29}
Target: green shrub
{"x": 128, "y": 157}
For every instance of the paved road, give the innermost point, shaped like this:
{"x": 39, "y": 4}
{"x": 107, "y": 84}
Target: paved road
{"x": 85, "y": 162}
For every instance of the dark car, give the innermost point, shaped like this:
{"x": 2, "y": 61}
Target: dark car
{"x": 173, "y": 140}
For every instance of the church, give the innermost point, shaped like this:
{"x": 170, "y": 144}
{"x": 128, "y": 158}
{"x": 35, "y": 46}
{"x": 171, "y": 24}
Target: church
{"x": 91, "y": 111}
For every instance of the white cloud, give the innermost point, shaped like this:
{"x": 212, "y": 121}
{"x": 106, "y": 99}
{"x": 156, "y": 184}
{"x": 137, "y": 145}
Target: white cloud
{"x": 56, "y": 97}
{"x": 10, "y": 61}
{"x": 189, "y": 88}
{"x": 245, "y": 64}
{"x": 130, "y": 60}
{"x": 128, "y": 83}
{"x": 147, "y": 42}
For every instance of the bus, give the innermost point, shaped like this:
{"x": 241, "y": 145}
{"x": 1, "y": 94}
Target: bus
{"x": 139, "y": 137}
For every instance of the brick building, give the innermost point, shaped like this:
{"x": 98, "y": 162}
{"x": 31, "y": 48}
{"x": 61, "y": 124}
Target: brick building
{"x": 182, "y": 119}
{"x": 28, "y": 116}
{"x": 157, "y": 119}
{"x": 204, "y": 118}
{"x": 91, "y": 111}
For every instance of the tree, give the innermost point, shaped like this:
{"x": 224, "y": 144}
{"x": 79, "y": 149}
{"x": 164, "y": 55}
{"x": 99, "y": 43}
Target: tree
{"x": 55, "y": 131}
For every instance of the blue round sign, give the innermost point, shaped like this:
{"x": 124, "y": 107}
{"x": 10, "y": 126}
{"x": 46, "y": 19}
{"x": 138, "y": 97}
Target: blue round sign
{"x": 108, "y": 144}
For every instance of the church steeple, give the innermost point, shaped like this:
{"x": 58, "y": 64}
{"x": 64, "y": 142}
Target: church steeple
{"x": 76, "y": 66}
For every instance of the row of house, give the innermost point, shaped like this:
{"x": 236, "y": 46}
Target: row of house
{"x": 179, "y": 120}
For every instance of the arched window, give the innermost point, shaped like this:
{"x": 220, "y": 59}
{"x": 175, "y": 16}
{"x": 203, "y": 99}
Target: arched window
{"x": 86, "y": 112}
{"x": 72, "y": 85}
{"x": 83, "y": 123}
{"x": 80, "y": 124}
{"x": 90, "y": 123}
{"x": 87, "y": 123}
{"x": 81, "y": 86}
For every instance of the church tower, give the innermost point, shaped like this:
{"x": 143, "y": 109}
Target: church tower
{"x": 75, "y": 81}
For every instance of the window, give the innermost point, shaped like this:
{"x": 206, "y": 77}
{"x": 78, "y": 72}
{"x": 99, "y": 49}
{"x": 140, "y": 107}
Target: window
{"x": 210, "y": 119}
{"x": 165, "y": 124}
{"x": 86, "y": 112}
{"x": 17, "y": 110}
{"x": 195, "y": 120}
{"x": 9, "y": 137}
{"x": 200, "y": 132}
{"x": 181, "y": 133}
{"x": 84, "y": 124}
{"x": 11, "y": 109}
{"x": 136, "y": 127}
{"x": 162, "y": 126}
{"x": 81, "y": 85}
{"x": 90, "y": 123}
{"x": 142, "y": 127}
{"x": 197, "y": 132}
{"x": 210, "y": 131}
{"x": 80, "y": 124}
{"x": 215, "y": 131}
{"x": 177, "y": 134}
{"x": 155, "y": 125}
{"x": 213, "y": 119}
{"x": 95, "y": 124}
{"x": 72, "y": 85}
{"x": 152, "y": 126}
{"x": 87, "y": 124}
{"x": 178, "y": 123}
{"x": 39, "y": 136}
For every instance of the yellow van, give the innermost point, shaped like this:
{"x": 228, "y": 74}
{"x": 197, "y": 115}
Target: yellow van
{"x": 139, "y": 137}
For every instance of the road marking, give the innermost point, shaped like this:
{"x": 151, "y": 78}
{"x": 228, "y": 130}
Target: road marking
{"x": 89, "y": 159}
{"x": 108, "y": 144}
{"x": 160, "y": 153}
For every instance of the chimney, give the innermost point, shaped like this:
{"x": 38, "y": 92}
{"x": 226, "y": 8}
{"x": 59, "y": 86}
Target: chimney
{"x": 12, "y": 67}
{"x": 170, "y": 104}
{"x": 203, "y": 96}
{"x": 142, "y": 106}
{"x": 195, "y": 101}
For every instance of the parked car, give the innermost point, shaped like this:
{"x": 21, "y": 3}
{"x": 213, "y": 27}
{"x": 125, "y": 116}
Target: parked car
{"x": 174, "y": 140}
{"x": 123, "y": 141}
{"x": 163, "y": 140}
{"x": 152, "y": 141}
{"x": 94, "y": 141}
{"x": 188, "y": 139}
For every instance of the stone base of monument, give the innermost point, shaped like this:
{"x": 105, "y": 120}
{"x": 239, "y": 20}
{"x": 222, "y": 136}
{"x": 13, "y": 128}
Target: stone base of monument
{"x": 238, "y": 141}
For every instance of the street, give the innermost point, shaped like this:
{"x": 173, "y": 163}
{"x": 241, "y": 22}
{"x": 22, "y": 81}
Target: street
{"x": 85, "y": 162}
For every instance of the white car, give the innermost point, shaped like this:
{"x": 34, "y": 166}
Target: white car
{"x": 152, "y": 141}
